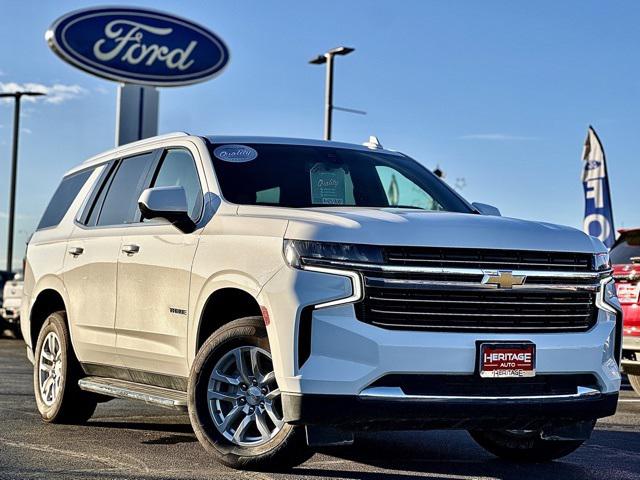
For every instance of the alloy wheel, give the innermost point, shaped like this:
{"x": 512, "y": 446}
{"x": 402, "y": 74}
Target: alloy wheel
{"x": 50, "y": 369}
{"x": 243, "y": 397}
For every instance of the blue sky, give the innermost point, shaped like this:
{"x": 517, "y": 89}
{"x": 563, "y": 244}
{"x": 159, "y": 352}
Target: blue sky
{"x": 498, "y": 92}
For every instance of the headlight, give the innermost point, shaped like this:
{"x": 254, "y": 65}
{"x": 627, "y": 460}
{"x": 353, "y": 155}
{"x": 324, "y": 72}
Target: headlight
{"x": 300, "y": 253}
{"x": 332, "y": 259}
{"x": 601, "y": 262}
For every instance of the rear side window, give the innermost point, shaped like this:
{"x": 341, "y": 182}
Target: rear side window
{"x": 121, "y": 201}
{"x": 63, "y": 198}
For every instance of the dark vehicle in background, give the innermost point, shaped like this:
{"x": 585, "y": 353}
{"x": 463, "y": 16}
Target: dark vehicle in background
{"x": 625, "y": 258}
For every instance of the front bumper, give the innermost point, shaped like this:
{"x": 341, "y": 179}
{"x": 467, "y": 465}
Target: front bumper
{"x": 328, "y": 352}
{"x": 369, "y": 413}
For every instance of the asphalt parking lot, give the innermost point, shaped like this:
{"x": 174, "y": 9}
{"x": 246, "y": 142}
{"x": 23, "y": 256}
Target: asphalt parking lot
{"x": 129, "y": 440}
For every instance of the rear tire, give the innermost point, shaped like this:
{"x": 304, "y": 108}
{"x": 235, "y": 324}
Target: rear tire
{"x": 235, "y": 412}
{"x": 56, "y": 374}
{"x": 525, "y": 447}
{"x": 634, "y": 380}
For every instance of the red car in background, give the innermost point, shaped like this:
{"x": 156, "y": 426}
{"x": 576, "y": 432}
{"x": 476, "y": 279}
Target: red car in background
{"x": 625, "y": 258}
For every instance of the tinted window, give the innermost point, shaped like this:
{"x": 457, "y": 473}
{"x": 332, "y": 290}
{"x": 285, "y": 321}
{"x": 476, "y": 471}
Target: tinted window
{"x": 63, "y": 198}
{"x": 626, "y": 249}
{"x": 121, "y": 200}
{"x": 402, "y": 192}
{"x": 309, "y": 176}
{"x": 91, "y": 217}
{"x": 179, "y": 170}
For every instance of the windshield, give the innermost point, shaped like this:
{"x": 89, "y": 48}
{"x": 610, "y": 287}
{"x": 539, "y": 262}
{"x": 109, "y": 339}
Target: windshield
{"x": 626, "y": 249}
{"x": 307, "y": 176}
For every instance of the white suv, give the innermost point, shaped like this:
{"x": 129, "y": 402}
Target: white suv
{"x": 290, "y": 292}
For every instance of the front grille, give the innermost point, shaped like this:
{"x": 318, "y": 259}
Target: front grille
{"x": 474, "y": 385}
{"x": 499, "y": 309}
{"x": 454, "y": 289}
{"x": 487, "y": 259}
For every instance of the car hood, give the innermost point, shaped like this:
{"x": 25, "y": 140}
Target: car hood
{"x": 408, "y": 227}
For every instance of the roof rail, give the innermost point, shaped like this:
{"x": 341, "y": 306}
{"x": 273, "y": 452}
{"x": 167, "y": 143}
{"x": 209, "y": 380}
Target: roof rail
{"x": 138, "y": 143}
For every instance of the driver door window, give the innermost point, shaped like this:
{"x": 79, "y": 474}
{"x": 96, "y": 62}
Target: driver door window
{"x": 178, "y": 169}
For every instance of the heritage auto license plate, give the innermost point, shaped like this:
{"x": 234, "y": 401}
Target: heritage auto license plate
{"x": 507, "y": 360}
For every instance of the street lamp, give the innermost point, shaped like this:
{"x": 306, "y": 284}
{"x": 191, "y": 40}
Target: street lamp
{"x": 328, "y": 59}
{"x": 14, "y": 167}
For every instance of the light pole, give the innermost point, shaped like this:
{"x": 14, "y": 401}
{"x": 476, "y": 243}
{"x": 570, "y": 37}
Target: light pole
{"x": 14, "y": 167}
{"x": 328, "y": 102}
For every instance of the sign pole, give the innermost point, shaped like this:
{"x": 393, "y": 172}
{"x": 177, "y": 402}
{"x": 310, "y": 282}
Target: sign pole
{"x": 14, "y": 172}
{"x": 136, "y": 113}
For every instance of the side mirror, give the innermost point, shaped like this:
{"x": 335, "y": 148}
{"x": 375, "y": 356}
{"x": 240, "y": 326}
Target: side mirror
{"x": 169, "y": 203}
{"x": 485, "y": 209}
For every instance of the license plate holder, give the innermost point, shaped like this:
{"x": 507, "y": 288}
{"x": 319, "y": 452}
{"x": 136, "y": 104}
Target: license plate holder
{"x": 507, "y": 359}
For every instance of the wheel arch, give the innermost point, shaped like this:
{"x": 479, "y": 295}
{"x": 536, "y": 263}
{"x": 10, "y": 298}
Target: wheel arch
{"x": 220, "y": 306}
{"x": 49, "y": 299}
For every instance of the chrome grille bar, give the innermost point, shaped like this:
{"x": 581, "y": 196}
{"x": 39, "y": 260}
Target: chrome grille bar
{"x": 454, "y": 314}
{"x": 455, "y": 271}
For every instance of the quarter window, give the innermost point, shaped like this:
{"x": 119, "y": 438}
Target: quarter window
{"x": 179, "y": 170}
{"x": 62, "y": 199}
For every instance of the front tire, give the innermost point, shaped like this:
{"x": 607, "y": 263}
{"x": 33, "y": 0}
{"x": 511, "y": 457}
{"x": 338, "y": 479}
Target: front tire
{"x": 234, "y": 401}
{"x": 56, "y": 374}
{"x": 523, "y": 446}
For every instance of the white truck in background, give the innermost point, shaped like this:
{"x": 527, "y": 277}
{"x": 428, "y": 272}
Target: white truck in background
{"x": 11, "y": 304}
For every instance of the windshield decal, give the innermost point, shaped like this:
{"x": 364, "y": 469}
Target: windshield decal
{"x": 235, "y": 153}
{"x": 328, "y": 185}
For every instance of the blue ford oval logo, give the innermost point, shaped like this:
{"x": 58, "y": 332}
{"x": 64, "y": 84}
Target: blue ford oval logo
{"x": 235, "y": 153}
{"x": 138, "y": 46}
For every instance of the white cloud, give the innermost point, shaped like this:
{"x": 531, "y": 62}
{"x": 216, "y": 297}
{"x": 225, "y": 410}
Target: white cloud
{"x": 1, "y": 73}
{"x": 56, "y": 93}
{"x": 26, "y": 130}
{"x": 101, "y": 90}
{"x": 501, "y": 137}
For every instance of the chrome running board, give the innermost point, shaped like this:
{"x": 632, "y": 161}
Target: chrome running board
{"x": 396, "y": 393}
{"x": 111, "y": 387}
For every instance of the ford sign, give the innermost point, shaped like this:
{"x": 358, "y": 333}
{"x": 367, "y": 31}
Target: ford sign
{"x": 138, "y": 46}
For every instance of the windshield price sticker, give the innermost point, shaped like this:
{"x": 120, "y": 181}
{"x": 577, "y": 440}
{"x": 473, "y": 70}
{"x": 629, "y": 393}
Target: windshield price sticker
{"x": 328, "y": 185}
{"x": 502, "y": 360}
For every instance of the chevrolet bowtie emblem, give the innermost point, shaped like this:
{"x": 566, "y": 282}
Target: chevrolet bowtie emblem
{"x": 503, "y": 279}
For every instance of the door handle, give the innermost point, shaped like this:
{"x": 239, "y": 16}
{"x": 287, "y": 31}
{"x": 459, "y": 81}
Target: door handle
{"x": 75, "y": 251}
{"x": 130, "y": 249}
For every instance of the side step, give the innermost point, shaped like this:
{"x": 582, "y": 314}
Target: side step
{"x": 162, "y": 397}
